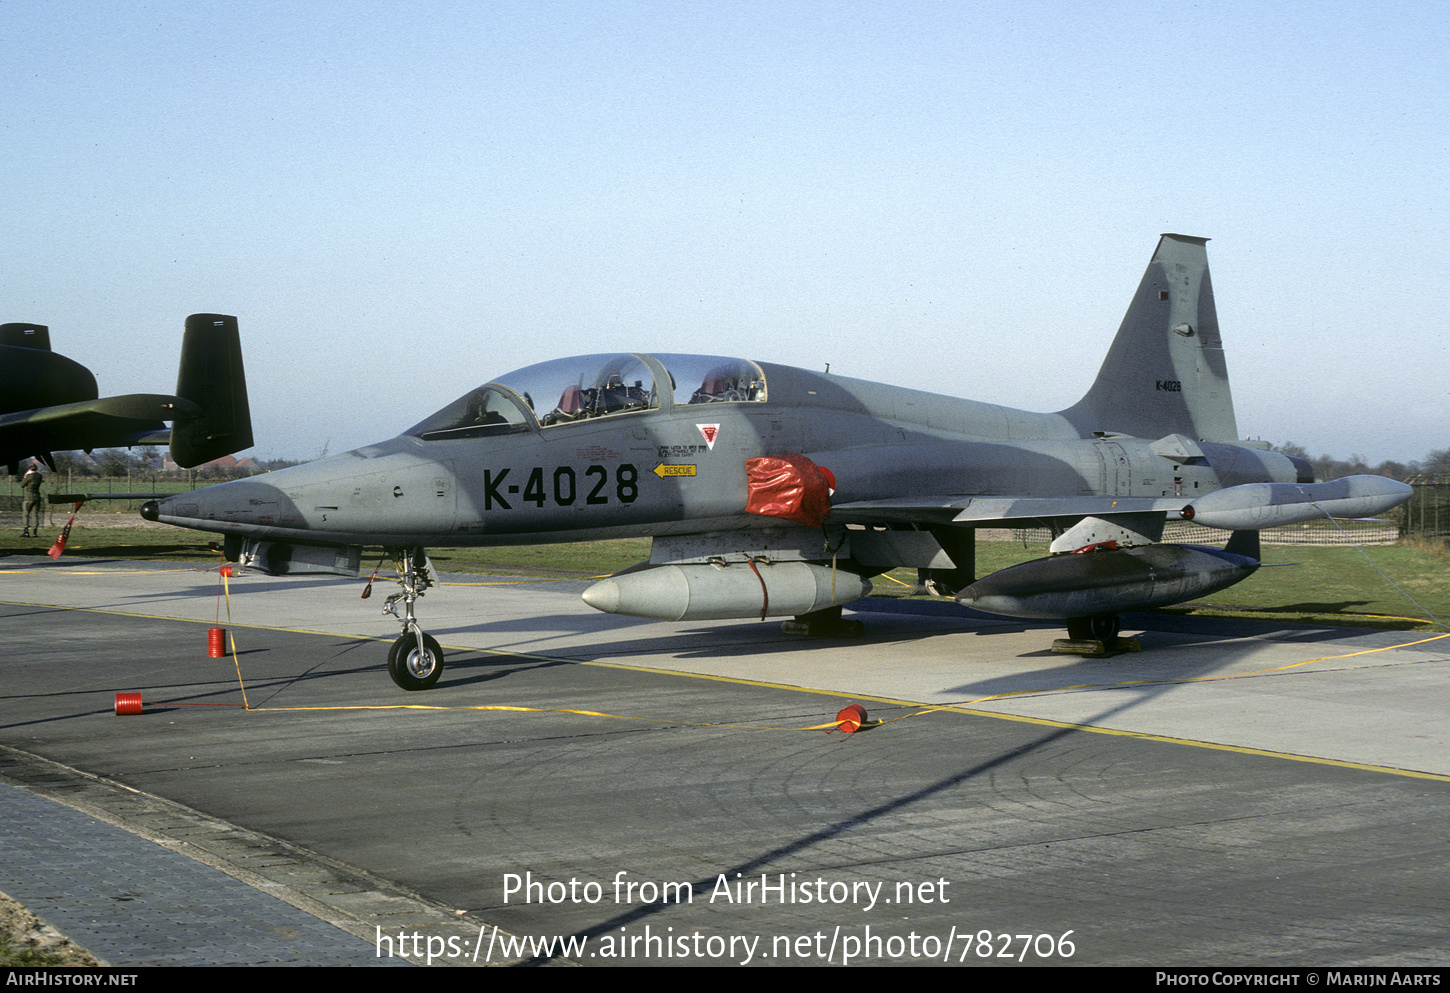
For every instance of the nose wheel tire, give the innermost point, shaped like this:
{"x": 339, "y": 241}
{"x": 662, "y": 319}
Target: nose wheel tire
{"x": 412, "y": 669}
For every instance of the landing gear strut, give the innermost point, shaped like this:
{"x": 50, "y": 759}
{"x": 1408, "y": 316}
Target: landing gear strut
{"x": 416, "y": 660}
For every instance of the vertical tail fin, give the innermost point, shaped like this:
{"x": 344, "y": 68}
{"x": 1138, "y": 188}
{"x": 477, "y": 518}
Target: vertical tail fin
{"x": 1165, "y": 373}
{"x": 211, "y": 376}
{"x": 25, "y": 336}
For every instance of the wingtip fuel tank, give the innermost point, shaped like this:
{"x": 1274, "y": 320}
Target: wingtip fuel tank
{"x": 1266, "y": 505}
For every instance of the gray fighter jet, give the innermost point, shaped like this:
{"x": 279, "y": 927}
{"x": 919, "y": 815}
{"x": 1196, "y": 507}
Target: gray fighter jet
{"x": 773, "y": 491}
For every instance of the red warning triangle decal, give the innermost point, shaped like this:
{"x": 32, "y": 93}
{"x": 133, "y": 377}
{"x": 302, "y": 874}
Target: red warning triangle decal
{"x": 709, "y": 431}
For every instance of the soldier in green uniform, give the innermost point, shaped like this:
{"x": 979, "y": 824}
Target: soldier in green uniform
{"x": 31, "y": 484}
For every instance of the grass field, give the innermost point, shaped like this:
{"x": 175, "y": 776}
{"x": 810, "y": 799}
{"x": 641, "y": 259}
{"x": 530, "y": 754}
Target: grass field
{"x": 1333, "y": 585}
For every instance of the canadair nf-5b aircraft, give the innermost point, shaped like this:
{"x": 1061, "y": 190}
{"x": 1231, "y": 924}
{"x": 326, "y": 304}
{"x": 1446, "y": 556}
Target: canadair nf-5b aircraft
{"x": 773, "y": 491}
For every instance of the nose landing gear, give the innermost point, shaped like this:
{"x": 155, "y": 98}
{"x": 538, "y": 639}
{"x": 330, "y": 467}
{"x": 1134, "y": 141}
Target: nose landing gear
{"x": 416, "y": 660}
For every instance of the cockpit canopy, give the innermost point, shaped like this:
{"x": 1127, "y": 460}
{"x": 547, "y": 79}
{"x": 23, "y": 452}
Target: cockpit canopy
{"x": 567, "y": 391}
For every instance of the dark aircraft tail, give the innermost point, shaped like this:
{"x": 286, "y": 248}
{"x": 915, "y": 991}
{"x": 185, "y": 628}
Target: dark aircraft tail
{"x": 25, "y": 336}
{"x": 1165, "y": 373}
{"x": 211, "y": 377}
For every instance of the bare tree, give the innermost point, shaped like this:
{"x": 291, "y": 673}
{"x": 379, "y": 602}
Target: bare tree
{"x": 1437, "y": 464}
{"x": 113, "y": 461}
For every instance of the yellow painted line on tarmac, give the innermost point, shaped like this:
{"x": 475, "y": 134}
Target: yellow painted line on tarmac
{"x": 897, "y": 581}
{"x": 61, "y": 571}
{"x": 553, "y": 710}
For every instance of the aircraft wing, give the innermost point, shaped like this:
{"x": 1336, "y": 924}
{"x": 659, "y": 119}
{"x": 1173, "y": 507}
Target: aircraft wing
{"x": 108, "y": 422}
{"x": 161, "y": 437}
{"x": 997, "y": 509}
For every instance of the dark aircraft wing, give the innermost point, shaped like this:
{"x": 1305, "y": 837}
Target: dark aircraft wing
{"x": 108, "y": 422}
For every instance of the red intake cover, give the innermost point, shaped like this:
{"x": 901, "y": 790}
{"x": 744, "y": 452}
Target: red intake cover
{"x": 790, "y": 487}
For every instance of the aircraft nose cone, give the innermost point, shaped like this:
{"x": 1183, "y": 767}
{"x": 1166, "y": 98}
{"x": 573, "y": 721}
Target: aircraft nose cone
{"x": 603, "y": 596}
{"x": 150, "y": 510}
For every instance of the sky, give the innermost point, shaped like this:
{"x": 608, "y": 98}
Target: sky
{"x": 403, "y": 200}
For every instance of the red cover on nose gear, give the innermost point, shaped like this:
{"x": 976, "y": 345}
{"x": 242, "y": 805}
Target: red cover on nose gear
{"x": 791, "y": 487}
